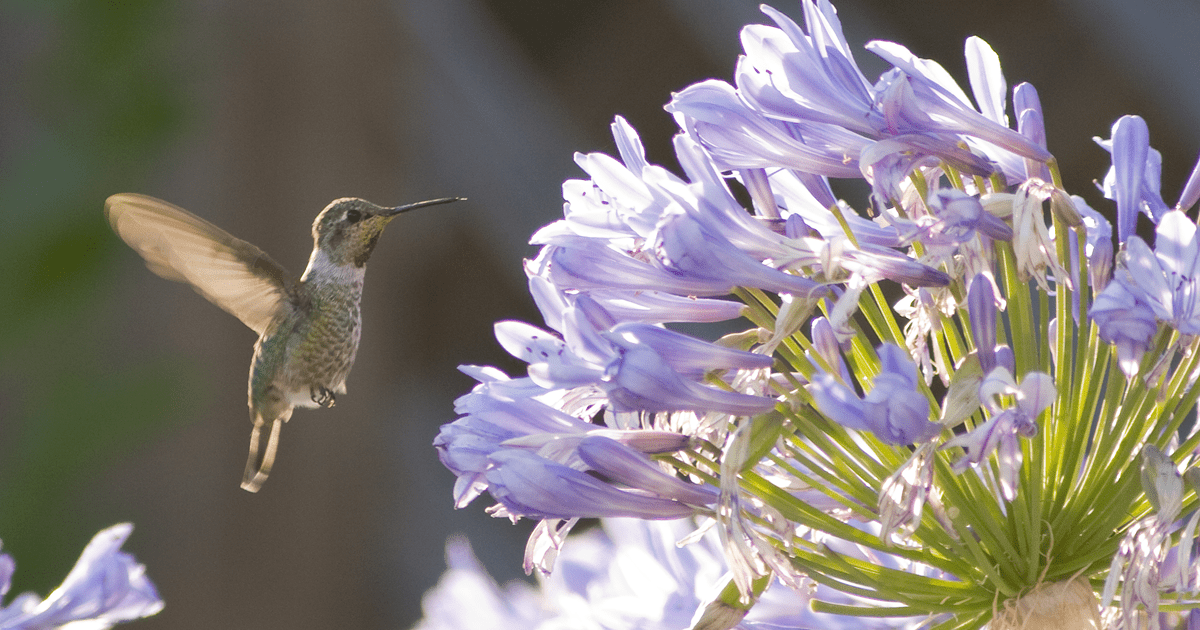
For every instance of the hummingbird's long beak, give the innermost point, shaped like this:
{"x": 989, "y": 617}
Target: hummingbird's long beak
{"x": 391, "y": 212}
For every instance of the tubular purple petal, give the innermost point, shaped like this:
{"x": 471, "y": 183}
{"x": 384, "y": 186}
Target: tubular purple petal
{"x": 874, "y": 262}
{"x": 739, "y": 138}
{"x": 534, "y": 487}
{"x": 826, "y": 344}
{"x": 640, "y": 380}
{"x": 792, "y": 75}
{"x": 986, "y": 79}
{"x": 629, "y": 145}
{"x": 627, "y": 466}
{"x": 551, "y": 363}
{"x": 587, "y": 264}
{"x": 1098, "y": 248}
{"x": 1130, "y": 145}
{"x": 1125, "y": 322}
{"x": 688, "y": 356}
{"x": 1135, "y": 177}
{"x": 657, "y": 306}
{"x": 893, "y": 410}
{"x": 941, "y": 105}
{"x": 759, "y": 186}
{"x": 981, "y": 304}
{"x": 685, "y": 249}
{"x": 837, "y": 402}
{"x": 1191, "y": 190}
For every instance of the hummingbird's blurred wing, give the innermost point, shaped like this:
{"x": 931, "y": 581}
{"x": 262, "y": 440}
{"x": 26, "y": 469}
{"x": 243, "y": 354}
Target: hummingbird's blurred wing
{"x": 178, "y": 245}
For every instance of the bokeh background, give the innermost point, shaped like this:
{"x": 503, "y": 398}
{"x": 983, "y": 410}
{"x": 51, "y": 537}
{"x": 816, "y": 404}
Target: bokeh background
{"x": 122, "y": 396}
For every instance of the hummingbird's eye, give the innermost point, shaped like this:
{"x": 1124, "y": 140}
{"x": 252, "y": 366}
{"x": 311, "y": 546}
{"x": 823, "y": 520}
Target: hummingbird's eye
{"x": 353, "y": 216}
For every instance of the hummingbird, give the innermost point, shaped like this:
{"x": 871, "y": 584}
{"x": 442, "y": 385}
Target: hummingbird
{"x": 308, "y": 329}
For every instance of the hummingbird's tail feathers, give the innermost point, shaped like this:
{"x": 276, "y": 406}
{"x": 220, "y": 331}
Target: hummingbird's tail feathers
{"x": 256, "y": 471}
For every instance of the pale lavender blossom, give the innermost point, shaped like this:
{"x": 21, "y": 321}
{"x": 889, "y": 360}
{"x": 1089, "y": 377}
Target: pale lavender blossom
{"x": 627, "y": 574}
{"x": 629, "y": 306}
{"x": 1032, "y": 125}
{"x": 959, "y": 216}
{"x": 796, "y": 75}
{"x": 508, "y": 441}
{"x": 1140, "y": 559}
{"x": 813, "y": 455}
{"x": 887, "y": 162}
{"x": 893, "y": 410}
{"x": 981, "y": 304}
{"x": 1125, "y": 321}
{"x": 738, "y": 137}
{"x": 1167, "y": 279}
{"x": 106, "y": 587}
{"x": 1001, "y": 433}
{"x": 801, "y": 205}
{"x": 528, "y": 485}
{"x": 498, "y": 410}
{"x": 825, "y": 343}
{"x": 640, "y": 367}
{"x": 467, "y": 598}
{"x": 989, "y": 88}
{"x": 1191, "y": 190}
{"x": 937, "y": 104}
{"x": 1135, "y": 178}
{"x": 1098, "y": 247}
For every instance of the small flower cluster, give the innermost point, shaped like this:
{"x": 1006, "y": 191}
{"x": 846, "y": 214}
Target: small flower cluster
{"x": 937, "y": 406}
{"x": 106, "y": 587}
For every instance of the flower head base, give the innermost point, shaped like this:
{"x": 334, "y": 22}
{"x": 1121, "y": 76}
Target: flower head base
{"x": 967, "y": 452}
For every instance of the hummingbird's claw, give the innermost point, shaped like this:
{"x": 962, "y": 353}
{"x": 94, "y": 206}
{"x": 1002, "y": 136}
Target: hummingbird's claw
{"x": 322, "y": 396}
{"x": 256, "y": 472}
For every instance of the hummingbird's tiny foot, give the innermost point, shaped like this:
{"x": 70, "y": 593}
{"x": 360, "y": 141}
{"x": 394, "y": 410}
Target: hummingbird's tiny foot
{"x": 322, "y": 396}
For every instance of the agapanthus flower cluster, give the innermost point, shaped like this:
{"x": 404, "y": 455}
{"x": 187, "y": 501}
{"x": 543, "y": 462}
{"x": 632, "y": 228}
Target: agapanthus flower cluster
{"x": 960, "y": 403}
{"x": 107, "y": 586}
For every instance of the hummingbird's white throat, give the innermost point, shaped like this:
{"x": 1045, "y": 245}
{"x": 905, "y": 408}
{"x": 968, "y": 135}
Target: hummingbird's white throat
{"x": 322, "y": 270}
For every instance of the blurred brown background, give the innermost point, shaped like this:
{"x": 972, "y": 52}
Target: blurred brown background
{"x": 122, "y": 396}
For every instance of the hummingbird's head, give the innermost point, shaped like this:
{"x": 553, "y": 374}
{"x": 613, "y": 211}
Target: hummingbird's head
{"x": 347, "y": 229}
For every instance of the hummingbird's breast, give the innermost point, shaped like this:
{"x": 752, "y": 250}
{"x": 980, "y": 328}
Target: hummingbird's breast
{"x": 311, "y": 349}
{"x": 323, "y": 350}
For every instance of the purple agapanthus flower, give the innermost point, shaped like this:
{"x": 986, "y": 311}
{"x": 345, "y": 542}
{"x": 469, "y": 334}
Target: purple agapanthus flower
{"x": 959, "y": 216}
{"x": 107, "y": 586}
{"x": 981, "y": 303}
{"x": 780, "y": 426}
{"x": 738, "y": 137}
{"x": 528, "y": 485}
{"x": 1144, "y": 549}
{"x": 640, "y": 367}
{"x": 1000, "y": 434}
{"x": 503, "y": 415}
{"x": 1168, "y": 278}
{"x": 1098, "y": 247}
{"x": 1125, "y": 321}
{"x": 893, "y": 410}
{"x": 1135, "y": 178}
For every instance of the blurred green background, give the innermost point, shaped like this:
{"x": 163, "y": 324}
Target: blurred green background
{"x": 122, "y": 396}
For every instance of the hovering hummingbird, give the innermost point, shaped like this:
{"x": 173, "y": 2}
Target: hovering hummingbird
{"x": 308, "y": 330}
